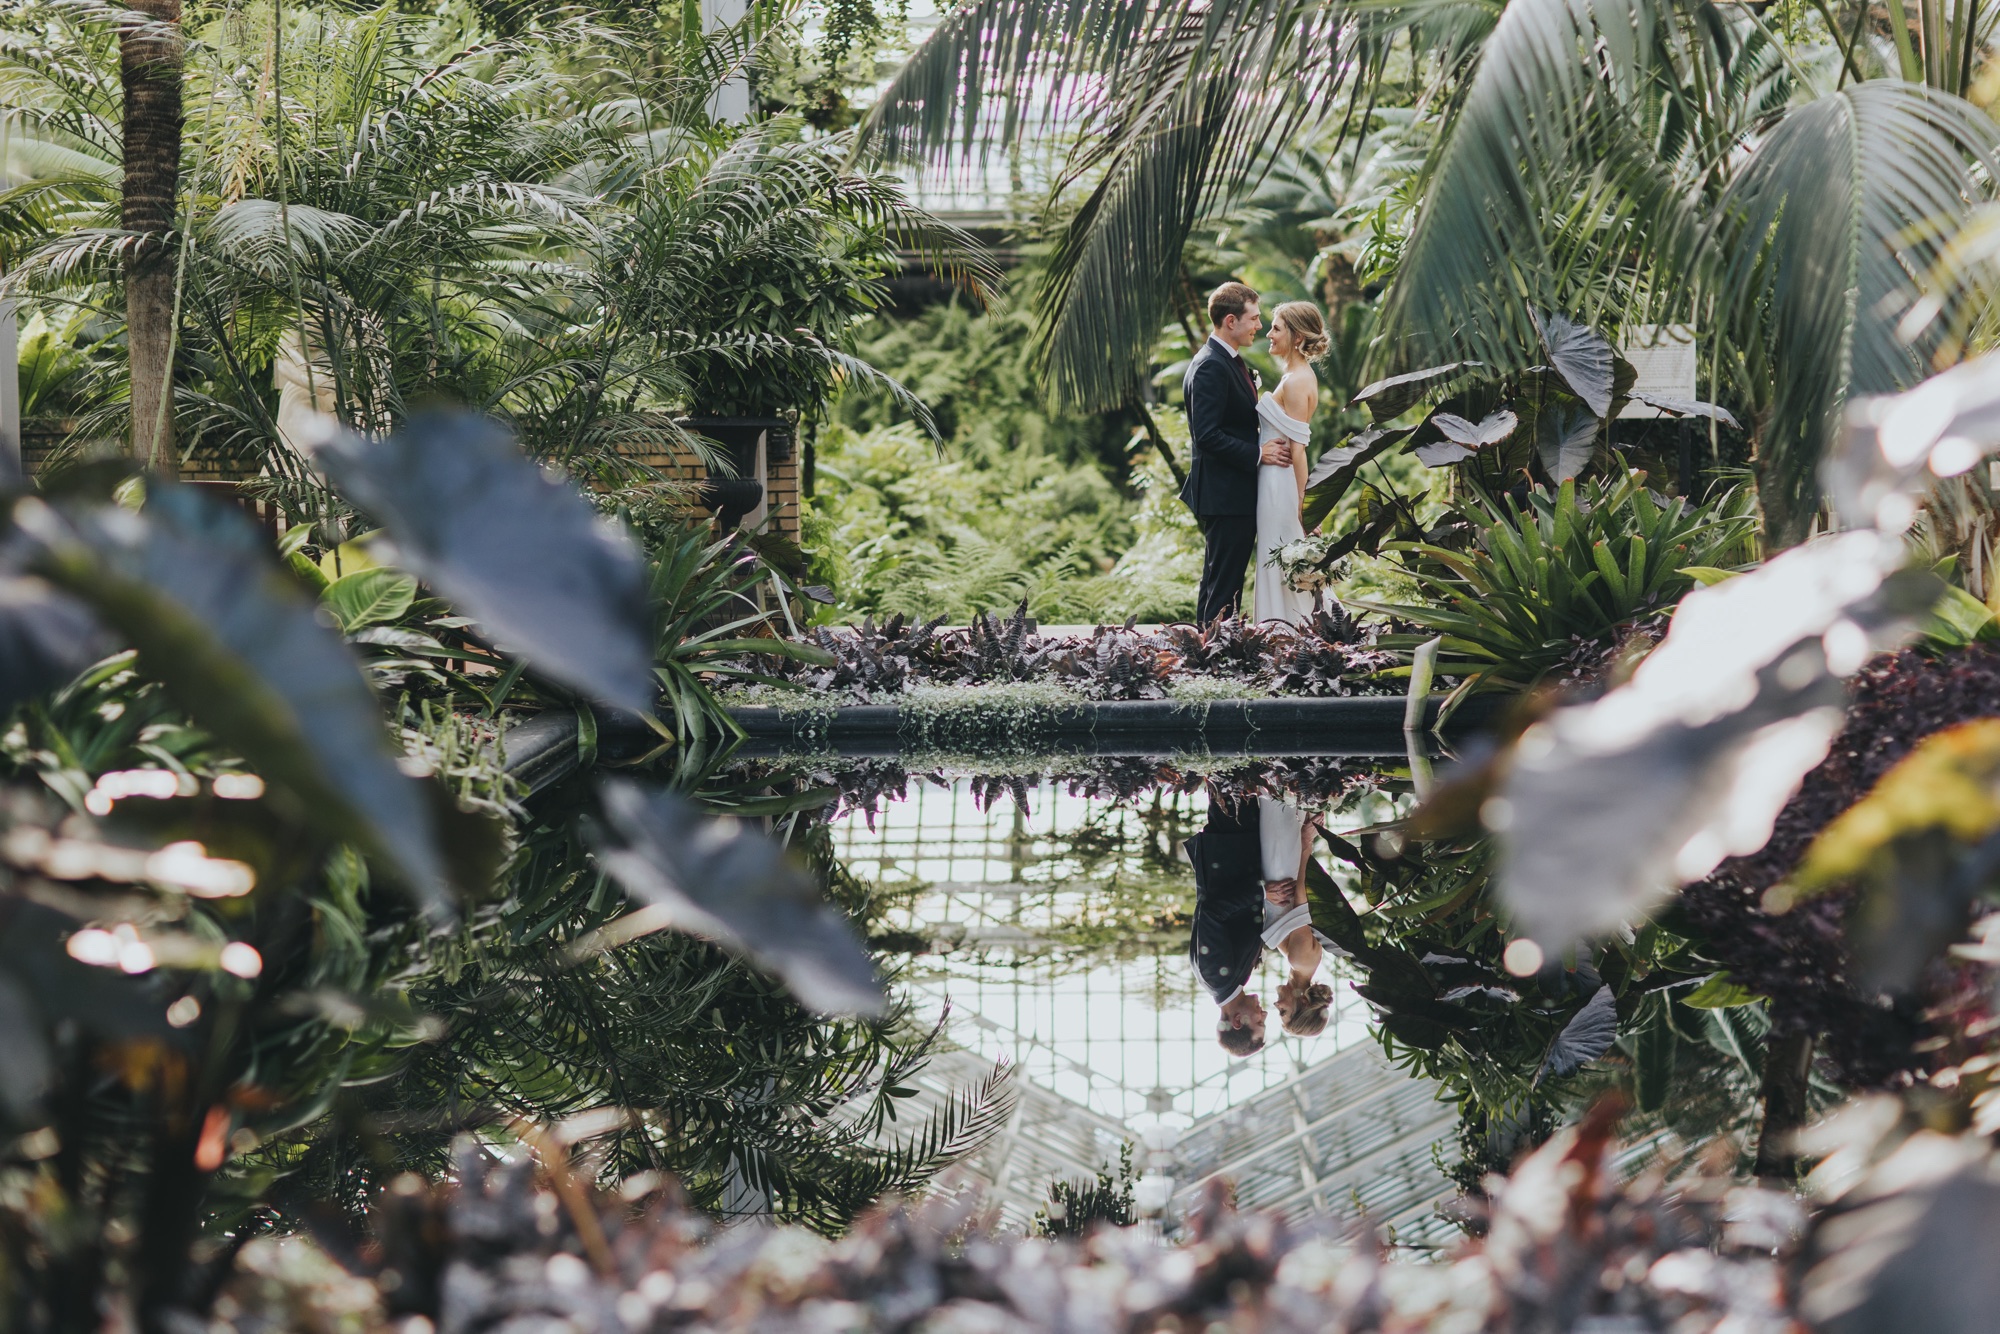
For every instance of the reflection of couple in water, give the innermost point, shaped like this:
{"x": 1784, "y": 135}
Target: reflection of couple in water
{"x": 1249, "y": 877}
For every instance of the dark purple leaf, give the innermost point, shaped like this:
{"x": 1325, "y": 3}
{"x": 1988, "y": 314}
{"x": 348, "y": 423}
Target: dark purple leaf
{"x": 1587, "y": 1036}
{"x": 735, "y": 887}
{"x": 1582, "y": 356}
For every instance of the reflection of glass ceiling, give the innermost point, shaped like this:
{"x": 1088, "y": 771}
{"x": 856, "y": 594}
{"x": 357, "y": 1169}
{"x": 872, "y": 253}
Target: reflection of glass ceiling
{"x": 1060, "y": 945}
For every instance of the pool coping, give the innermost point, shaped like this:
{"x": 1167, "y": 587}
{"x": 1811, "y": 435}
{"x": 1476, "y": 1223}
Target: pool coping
{"x": 543, "y": 750}
{"x": 1379, "y": 718}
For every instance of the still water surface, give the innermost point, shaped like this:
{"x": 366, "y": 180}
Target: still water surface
{"x": 1050, "y": 929}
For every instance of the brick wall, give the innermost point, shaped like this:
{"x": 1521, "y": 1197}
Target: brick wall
{"x": 780, "y": 459}
{"x": 781, "y": 462}
{"x": 42, "y": 444}
{"x": 782, "y": 495}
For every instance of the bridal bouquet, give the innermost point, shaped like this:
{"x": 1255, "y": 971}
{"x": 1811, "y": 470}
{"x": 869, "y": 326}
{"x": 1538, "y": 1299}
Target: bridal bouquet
{"x": 1304, "y": 562}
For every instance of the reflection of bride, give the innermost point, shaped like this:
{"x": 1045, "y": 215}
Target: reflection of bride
{"x": 1286, "y": 837}
{"x": 1297, "y": 336}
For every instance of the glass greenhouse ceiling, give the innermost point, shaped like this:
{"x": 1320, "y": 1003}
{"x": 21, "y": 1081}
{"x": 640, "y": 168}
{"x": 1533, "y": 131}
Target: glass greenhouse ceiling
{"x": 1051, "y": 930}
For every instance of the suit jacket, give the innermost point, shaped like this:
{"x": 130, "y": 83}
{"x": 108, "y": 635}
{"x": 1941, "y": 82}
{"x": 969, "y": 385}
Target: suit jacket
{"x": 1228, "y": 862}
{"x": 1222, "y": 417}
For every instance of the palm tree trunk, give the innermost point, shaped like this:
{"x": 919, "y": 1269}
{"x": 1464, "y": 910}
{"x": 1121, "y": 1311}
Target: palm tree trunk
{"x": 149, "y": 60}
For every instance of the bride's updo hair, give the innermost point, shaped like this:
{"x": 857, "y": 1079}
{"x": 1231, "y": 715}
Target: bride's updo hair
{"x": 1301, "y": 320}
{"x": 1308, "y": 1017}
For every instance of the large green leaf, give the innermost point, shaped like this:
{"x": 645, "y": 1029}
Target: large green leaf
{"x": 369, "y": 597}
{"x": 1717, "y": 992}
{"x": 236, "y": 642}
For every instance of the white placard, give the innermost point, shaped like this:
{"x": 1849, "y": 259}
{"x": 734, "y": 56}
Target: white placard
{"x": 1664, "y": 357}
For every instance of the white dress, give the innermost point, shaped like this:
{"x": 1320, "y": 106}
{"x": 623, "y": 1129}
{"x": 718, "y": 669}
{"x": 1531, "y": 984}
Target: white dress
{"x": 1280, "y": 830}
{"x": 1280, "y": 827}
{"x": 1272, "y": 599}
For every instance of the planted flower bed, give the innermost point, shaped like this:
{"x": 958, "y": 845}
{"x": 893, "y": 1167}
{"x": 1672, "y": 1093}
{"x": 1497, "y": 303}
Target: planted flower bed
{"x": 1331, "y": 656}
{"x": 1232, "y": 685}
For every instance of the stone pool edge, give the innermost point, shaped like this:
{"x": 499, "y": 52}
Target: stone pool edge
{"x": 1360, "y": 724}
{"x": 548, "y": 747}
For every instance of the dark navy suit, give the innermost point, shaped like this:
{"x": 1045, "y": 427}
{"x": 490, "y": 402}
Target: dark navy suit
{"x": 1221, "y": 485}
{"x": 1228, "y": 862}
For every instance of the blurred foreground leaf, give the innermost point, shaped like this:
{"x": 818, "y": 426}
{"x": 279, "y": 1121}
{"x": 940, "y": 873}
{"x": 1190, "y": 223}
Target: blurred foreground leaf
{"x": 1949, "y": 784}
{"x": 1610, "y": 805}
{"x": 237, "y": 643}
{"x": 714, "y": 879}
{"x": 46, "y": 637}
{"x": 1907, "y": 1242}
{"x": 1922, "y": 847}
{"x": 1897, "y": 445}
{"x": 519, "y": 552}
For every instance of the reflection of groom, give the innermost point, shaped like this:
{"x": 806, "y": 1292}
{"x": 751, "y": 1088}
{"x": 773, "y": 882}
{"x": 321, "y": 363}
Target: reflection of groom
{"x": 1227, "y": 939}
{"x": 1221, "y": 489}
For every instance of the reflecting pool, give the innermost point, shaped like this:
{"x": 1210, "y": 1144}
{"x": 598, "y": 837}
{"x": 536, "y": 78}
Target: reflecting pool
{"x": 1048, "y": 923}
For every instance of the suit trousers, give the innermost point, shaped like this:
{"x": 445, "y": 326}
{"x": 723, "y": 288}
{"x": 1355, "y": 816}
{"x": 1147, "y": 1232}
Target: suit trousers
{"x": 1230, "y": 542}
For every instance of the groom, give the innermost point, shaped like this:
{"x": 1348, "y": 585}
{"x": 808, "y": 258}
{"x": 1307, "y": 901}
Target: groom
{"x": 1221, "y": 489}
{"x": 1225, "y": 942}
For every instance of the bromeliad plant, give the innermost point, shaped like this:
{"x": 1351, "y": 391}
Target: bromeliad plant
{"x": 1579, "y": 564}
{"x": 708, "y": 617}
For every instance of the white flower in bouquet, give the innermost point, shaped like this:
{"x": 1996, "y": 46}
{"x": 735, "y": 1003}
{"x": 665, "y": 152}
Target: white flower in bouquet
{"x": 1304, "y": 560}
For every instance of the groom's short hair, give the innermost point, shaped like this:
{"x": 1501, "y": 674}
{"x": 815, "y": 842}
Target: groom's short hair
{"x": 1229, "y": 299}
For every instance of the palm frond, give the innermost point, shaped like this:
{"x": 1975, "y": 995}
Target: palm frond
{"x": 1042, "y": 63}
{"x": 1541, "y": 187}
{"x": 1192, "y": 142}
{"x": 1830, "y": 228}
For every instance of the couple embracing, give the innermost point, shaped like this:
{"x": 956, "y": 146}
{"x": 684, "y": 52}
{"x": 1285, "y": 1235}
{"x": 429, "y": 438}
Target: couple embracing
{"x": 1250, "y": 862}
{"x": 1248, "y": 480}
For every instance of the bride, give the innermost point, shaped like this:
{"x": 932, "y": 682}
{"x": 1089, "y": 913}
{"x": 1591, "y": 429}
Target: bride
{"x": 1298, "y": 337}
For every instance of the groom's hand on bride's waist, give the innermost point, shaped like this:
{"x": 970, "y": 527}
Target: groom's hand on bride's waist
{"x": 1278, "y": 452}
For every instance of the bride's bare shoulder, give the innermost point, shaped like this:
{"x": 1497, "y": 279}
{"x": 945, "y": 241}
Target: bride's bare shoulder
{"x": 1298, "y": 389}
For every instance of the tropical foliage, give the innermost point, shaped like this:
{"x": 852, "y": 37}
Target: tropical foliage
{"x": 1562, "y": 572}
{"x": 1638, "y": 165}
{"x": 1074, "y": 514}
{"x": 384, "y": 215}
{"x": 263, "y": 953}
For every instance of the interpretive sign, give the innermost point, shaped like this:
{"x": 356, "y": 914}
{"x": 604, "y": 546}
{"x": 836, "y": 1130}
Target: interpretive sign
{"x": 1663, "y": 355}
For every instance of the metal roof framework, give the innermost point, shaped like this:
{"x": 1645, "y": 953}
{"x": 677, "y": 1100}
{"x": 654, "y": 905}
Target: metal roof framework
{"x": 1344, "y": 1135}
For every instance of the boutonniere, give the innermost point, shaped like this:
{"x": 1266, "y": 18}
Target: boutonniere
{"x": 1256, "y": 377}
